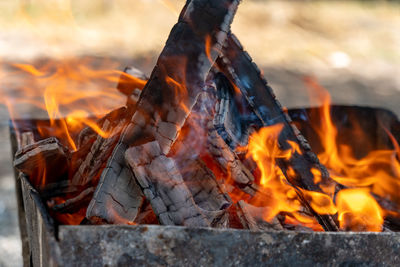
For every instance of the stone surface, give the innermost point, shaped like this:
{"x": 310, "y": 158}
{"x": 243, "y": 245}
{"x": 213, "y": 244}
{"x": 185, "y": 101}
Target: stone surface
{"x": 179, "y": 246}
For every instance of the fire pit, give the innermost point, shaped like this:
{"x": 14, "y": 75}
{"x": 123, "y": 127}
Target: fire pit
{"x": 201, "y": 148}
{"x": 49, "y": 244}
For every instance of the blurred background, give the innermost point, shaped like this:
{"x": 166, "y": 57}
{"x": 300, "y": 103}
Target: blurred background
{"x": 352, "y": 48}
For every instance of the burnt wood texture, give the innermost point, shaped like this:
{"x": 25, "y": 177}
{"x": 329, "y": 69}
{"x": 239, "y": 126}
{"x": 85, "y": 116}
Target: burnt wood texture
{"x": 176, "y": 81}
{"x": 239, "y": 67}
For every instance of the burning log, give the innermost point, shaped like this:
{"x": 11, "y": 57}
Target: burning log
{"x": 163, "y": 186}
{"x": 181, "y": 70}
{"x": 74, "y": 204}
{"x": 251, "y": 218}
{"x": 116, "y": 200}
{"x": 174, "y": 85}
{"x": 206, "y": 191}
{"x": 229, "y": 161}
{"x": 47, "y": 159}
{"x": 131, "y": 84}
{"x": 100, "y": 150}
{"x": 239, "y": 67}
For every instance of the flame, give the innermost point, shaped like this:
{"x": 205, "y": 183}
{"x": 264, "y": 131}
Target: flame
{"x": 208, "y": 48}
{"x": 365, "y": 180}
{"x": 263, "y": 148}
{"x": 70, "y": 92}
{"x": 377, "y": 173}
{"x": 358, "y": 210}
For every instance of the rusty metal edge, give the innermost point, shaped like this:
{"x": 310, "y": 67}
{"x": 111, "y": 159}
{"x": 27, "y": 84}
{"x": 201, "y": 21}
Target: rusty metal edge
{"x": 44, "y": 249}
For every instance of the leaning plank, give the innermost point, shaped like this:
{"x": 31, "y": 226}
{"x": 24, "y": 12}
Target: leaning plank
{"x": 163, "y": 186}
{"x": 239, "y": 67}
{"x": 46, "y": 160}
{"x": 177, "y": 79}
{"x": 181, "y": 70}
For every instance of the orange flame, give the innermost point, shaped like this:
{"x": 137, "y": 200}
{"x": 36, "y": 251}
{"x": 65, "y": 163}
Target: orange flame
{"x": 376, "y": 173}
{"x": 359, "y": 211}
{"x": 364, "y": 179}
{"x": 263, "y": 148}
{"x": 74, "y": 93}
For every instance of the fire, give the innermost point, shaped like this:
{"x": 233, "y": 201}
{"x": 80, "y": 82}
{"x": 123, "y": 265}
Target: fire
{"x": 373, "y": 175}
{"x": 365, "y": 181}
{"x": 263, "y": 148}
{"x": 69, "y": 93}
{"x": 359, "y": 211}
{"x": 74, "y": 93}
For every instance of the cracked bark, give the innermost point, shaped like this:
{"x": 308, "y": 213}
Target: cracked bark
{"x": 163, "y": 186}
{"x": 238, "y": 66}
{"x": 177, "y": 79}
{"x": 229, "y": 162}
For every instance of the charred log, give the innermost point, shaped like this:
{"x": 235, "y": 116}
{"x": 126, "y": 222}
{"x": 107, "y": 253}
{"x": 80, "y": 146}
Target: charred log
{"x": 251, "y": 218}
{"x": 101, "y": 149}
{"x": 47, "y": 160}
{"x": 229, "y": 162}
{"x": 117, "y": 200}
{"x": 239, "y": 67}
{"x": 163, "y": 186}
{"x": 75, "y": 204}
{"x": 131, "y": 84}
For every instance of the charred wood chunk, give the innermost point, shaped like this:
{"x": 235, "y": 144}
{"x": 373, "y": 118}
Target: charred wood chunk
{"x": 117, "y": 199}
{"x": 238, "y": 66}
{"x": 163, "y": 186}
{"x": 181, "y": 70}
{"x": 233, "y": 119}
{"x": 27, "y": 138}
{"x": 100, "y": 150}
{"x": 75, "y": 204}
{"x": 200, "y": 180}
{"x": 131, "y": 84}
{"x": 179, "y": 75}
{"x": 251, "y": 218}
{"x": 228, "y": 160}
{"x": 46, "y": 160}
